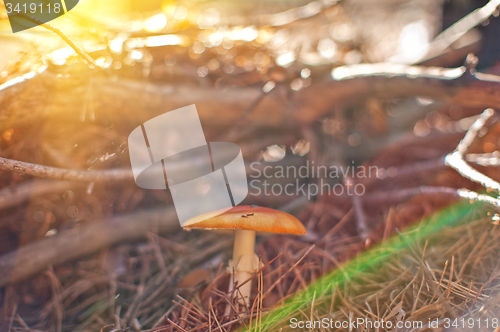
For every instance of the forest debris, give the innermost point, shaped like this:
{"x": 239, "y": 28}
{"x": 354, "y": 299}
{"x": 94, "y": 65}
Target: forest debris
{"x": 84, "y": 240}
{"x": 63, "y": 173}
{"x": 16, "y": 194}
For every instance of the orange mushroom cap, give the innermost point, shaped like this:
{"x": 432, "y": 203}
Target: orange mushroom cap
{"x": 253, "y": 218}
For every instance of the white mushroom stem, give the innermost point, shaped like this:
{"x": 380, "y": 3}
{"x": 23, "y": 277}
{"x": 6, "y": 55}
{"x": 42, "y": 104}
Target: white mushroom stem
{"x": 244, "y": 264}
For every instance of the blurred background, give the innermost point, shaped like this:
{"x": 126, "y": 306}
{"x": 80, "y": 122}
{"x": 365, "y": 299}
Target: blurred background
{"x": 323, "y": 31}
{"x": 351, "y": 82}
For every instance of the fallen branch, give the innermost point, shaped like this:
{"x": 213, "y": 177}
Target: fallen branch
{"x": 83, "y": 240}
{"x": 116, "y": 174}
{"x": 63, "y": 173}
{"x": 63, "y": 36}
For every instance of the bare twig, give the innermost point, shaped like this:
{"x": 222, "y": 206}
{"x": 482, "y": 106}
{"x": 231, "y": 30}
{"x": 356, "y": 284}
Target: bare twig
{"x": 61, "y": 34}
{"x": 351, "y": 85}
{"x": 64, "y": 174}
{"x": 458, "y": 29}
{"x": 117, "y": 174}
{"x": 289, "y": 270}
{"x": 456, "y": 159}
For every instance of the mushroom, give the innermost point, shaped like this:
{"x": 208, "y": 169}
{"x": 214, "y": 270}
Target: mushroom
{"x": 246, "y": 221}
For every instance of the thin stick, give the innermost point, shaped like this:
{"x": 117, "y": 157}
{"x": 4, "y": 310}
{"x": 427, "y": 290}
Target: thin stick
{"x": 215, "y": 317}
{"x": 456, "y": 160}
{"x": 117, "y": 174}
{"x": 176, "y": 325}
{"x": 471, "y": 134}
{"x": 63, "y": 173}
{"x": 475, "y": 197}
{"x": 484, "y": 159}
{"x": 458, "y": 29}
{"x": 58, "y": 32}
